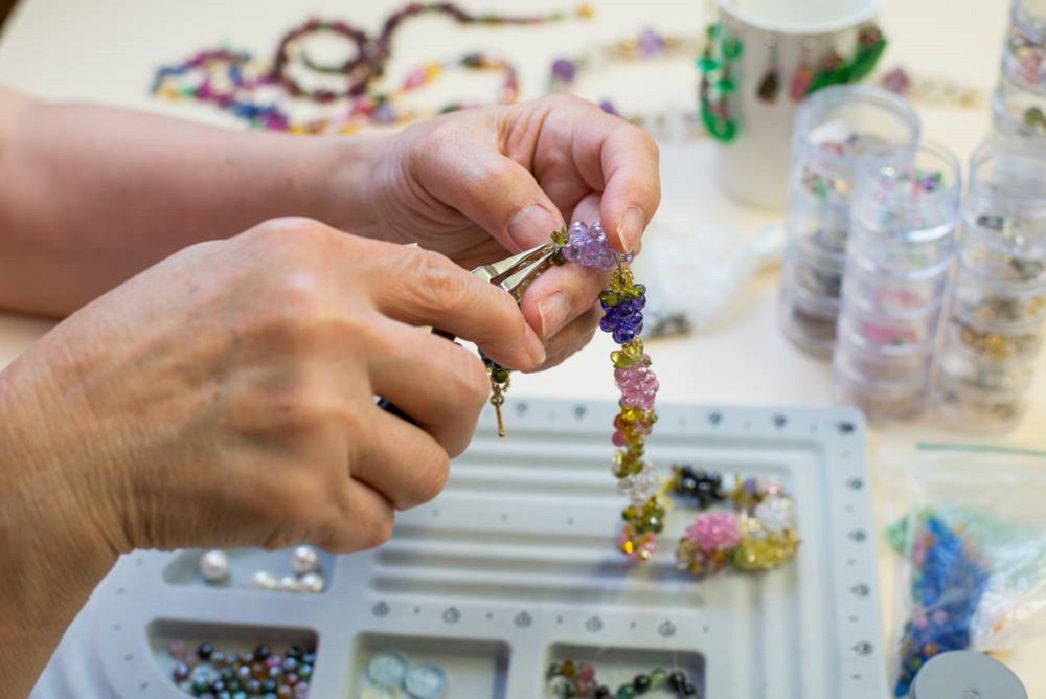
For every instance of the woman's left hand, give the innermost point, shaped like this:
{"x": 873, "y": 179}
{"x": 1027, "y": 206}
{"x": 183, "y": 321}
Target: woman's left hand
{"x": 482, "y": 184}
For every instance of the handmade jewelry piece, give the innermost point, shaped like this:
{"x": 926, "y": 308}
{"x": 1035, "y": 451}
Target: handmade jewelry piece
{"x": 758, "y": 535}
{"x": 569, "y": 678}
{"x": 265, "y": 95}
{"x": 209, "y": 672}
{"x": 717, "y": 82}
{"x": 766, "y": 91}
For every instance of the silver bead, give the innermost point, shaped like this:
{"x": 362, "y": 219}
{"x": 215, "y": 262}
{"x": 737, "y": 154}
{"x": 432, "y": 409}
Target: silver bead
{"x": 263, "y": 580}
{"x": 304, "y": 559}
{"x": 311, "y": 582}
{"x": 214, "y": 567}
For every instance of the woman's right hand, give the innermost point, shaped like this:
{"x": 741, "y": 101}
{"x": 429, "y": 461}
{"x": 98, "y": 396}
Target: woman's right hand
{"x": 226, "y": 396}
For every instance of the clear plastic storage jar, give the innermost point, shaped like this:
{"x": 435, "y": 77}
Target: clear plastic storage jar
{"x": 1019, "y": 104}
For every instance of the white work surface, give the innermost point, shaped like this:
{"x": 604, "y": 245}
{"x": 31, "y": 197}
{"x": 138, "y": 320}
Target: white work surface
{"x": 105, "y": 51}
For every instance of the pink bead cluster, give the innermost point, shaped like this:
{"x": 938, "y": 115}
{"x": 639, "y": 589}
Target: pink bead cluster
{"x": 715, "y": 531}
{"x": 638, "y": 384}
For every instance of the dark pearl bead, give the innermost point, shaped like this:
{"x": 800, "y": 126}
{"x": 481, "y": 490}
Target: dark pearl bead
{"x": 641, "y": 683}
{"x": 262, "y": 652}
{"x": 181, "y": 672}
{"x": 603, "y": 692}
{"x": 252, "y": 686}
{"x": 204, "y": 651}
{"x": 687, "y": 689}
{"x": 268, "y": 685}
{"x": 676, "y": 680}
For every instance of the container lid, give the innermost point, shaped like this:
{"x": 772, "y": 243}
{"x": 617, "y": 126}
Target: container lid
{"x": 965, "y": 674}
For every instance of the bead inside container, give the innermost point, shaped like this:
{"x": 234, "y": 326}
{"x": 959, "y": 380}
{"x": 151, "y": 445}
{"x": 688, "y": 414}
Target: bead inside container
{"x": 998, "y": 302}
{"x": 1020, "y": 99}
{"x": 834, "y": 129}
{"x": 975, "y": 407}
{"x": 881, "y": 401}
{"x": 815, "y": 277}
{"x": 880, "y": 293}
{"x": 810, "y": 325}
{"x": 888, "y": 335}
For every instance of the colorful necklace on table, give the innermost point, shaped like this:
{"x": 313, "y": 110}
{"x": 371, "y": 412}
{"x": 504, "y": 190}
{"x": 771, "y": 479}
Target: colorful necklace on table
{"x": 760, "y": 532}
{"x": 265, "y": 95}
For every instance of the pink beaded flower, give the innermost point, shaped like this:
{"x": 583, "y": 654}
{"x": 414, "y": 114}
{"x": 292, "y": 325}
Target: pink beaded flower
{"x": 715, "y": 531}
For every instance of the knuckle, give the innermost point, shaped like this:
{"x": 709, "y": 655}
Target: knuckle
{"x": 442, "y": 281}
{"x": 433, "y": 476}
{"x": 376, "y": 530}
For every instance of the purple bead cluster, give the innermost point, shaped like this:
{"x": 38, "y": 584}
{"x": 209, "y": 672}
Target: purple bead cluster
{"x": 625, "y": 320}
{"x": 587, "y": 245}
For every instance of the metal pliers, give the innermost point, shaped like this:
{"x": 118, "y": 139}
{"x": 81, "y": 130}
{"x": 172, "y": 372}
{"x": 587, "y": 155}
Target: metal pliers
{"x": 513, "y": 274}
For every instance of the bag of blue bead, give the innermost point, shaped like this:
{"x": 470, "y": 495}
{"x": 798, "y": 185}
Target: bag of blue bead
{"x": 974, "y": 544}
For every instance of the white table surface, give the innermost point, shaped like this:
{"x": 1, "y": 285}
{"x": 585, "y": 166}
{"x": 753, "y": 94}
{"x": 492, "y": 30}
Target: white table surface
{"x": 105, "y": 50}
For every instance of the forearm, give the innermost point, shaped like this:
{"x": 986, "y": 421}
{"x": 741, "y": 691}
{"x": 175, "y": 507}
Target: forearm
{"x": 53, "y": 550}
{"x": 91, "y": 195}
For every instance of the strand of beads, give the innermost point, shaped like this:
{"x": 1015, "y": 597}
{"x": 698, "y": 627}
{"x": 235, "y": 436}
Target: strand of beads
{"x": 272, "y": 94}
{"x": 623, "y": 303}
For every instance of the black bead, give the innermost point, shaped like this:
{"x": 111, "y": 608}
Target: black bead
{"x": 268, "y": 685}
{"x": 233, "y": 686}
{"x": 262, "y": 652}
{"x": 308, "y": 657}
{"x": 603, "y": 692}
{"x": 296, "y": 652}
{"x": 687, "y": 689}
{"x": 641, "y": 683}
{"x": 676, "y": 680}
{"x": 252, "y": 686}
{"x": 204, "y": 651}
{"x": 218, "y": 686}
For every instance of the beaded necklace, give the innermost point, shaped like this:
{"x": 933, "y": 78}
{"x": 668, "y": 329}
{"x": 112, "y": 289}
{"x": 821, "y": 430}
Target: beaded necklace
{"x": 263, "y": 94}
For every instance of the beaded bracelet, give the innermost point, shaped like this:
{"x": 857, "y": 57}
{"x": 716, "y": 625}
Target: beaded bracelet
{"x": 568, "y": 678}
{"x": 758, "y": 535}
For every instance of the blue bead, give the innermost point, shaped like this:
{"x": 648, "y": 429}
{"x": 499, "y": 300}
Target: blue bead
{"x": 623, "y": 335}
{"x": 607, "y": 324}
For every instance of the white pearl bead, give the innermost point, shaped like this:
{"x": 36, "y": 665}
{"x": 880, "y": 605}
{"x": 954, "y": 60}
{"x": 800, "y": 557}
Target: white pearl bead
{"x": 263, "y": 580}
{"x": 288, "y": 583}
{"x": 776, "y": 514}
{"x": 304, "y": 559}
{"x": 214, "y": 567}
{"x": 311, "y": 582}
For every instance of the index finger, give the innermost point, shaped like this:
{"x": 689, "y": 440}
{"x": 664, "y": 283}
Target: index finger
{"x": 422, "y": 287}
{"x": 629, "y": 159}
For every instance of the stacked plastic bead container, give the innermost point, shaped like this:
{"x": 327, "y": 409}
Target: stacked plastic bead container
{"x": 833, "y": 129}
{"x": 898, "y": 263}
{"x": 995, "y": 324}
{"x": 1019, "y": 104}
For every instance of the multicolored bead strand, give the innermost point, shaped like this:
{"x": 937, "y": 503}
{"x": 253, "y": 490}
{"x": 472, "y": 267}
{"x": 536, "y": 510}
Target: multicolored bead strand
{"x": 267, "y": 95}
{"x": 622, "y": 303}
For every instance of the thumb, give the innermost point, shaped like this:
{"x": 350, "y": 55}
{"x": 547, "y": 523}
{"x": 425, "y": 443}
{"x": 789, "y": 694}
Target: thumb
{"x": 494, "y": 191}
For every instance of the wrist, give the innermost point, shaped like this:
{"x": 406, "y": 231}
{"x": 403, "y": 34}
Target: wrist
{"x": 346, "y": 183}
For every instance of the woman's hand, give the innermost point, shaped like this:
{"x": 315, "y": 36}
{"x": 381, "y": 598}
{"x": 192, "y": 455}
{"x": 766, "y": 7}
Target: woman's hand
{"x": 226, "y": 396}
{"x": 478, "y": 185}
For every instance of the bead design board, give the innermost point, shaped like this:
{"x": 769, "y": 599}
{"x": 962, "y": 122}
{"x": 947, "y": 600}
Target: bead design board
{"x": 514, "y": 566}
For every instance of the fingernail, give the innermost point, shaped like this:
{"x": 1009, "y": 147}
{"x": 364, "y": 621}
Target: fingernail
{"x": 535, "y": 347}
{"x": 631, "y": 229}
{"x": 554, "y": 311}
{"x": 532, "y": 225}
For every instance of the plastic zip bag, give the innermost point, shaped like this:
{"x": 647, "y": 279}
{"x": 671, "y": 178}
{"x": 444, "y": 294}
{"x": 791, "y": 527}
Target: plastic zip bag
{"x": 975, "y": 549}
